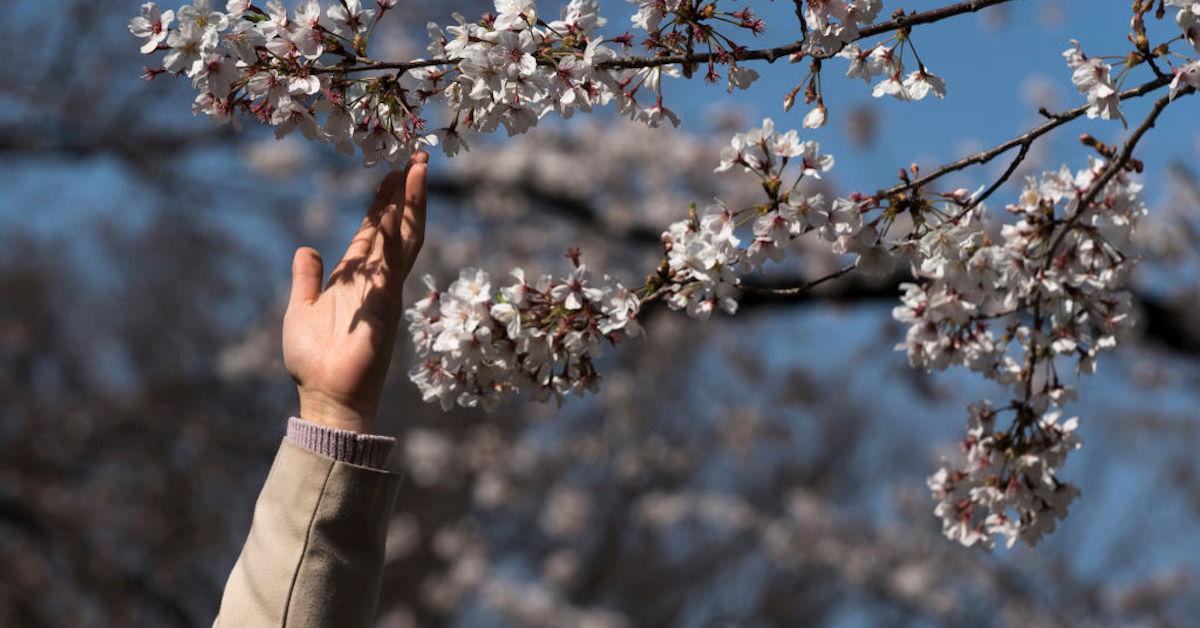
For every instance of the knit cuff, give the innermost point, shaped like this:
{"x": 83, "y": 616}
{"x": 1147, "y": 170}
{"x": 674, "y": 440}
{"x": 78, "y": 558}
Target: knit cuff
{"x": 364, "y": 450}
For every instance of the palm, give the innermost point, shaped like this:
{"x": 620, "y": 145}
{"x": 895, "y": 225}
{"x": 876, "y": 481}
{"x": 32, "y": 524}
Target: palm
{"x": 337, "y": 342}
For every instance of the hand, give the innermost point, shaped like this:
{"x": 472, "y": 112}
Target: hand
{"x": 337, "y": 342}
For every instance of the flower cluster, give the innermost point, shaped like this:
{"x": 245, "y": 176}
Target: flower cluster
{"x": 676, "y": 27}
{"x": 1050, "y": 286}
{"x": 476, "y": 348}
{"x": 888, "y": 62}
{"x": 832, "y": 29}
{"x": 265, "y": 63}
{"x": 703, "y": 252}
{"x": 832, "y": 24}
{"x": 514, "y": 68}
{"x": 308, "y": 68}
{"x": 1007, "y": 486}
{"x": 479, "y": 348}
{"x": 1064, "y": 270}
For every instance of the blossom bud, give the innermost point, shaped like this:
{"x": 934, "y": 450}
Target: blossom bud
{"x": 810, "y": 92}
{"x": 815, "y": 118}
{"x": 791, "y": 98}
{"x": 1138, "y": 37}
{"x": 148, "y": 73}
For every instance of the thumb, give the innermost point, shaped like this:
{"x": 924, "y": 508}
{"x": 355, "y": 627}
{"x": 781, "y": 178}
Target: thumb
{"x": 307, "y": 271}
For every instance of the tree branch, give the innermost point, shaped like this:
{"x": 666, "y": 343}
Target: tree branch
{"x": 1012, "y": 167}
{"x": 784, "y": 291}
{"x": 767, "y": 54}
{"x": 1116, "y": 166}
{"x": 771, "y": 54}
{"x": 1165, "y": 323}
{"x": 1056, "y": 120}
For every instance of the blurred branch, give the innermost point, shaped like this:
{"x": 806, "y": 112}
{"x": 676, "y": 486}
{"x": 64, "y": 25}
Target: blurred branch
{"x": 572, "y": 207}
{"x": 1164, "y": 323}
{"x": 84, "y": 558}
{"x": 1185, "y": 176}
{"x": 148, "y": 146}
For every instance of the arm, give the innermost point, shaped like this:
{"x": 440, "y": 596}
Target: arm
{"x": 314, "y": 555}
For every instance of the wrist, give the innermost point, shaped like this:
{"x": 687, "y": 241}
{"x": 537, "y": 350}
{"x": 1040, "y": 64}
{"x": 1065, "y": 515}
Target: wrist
{"x": 324, "y": 409}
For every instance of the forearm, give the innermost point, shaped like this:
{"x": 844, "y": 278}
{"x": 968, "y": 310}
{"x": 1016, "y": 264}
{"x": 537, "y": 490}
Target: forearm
{"x": 314, "y": 555}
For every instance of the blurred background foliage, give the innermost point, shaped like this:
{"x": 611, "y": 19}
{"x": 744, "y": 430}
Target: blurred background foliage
{"x": 760, "y": 470}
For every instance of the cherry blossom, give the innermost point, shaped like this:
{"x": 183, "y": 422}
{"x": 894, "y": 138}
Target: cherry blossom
{"x": 1092, "y": 77}
{"x": 153, "y": 25}
{"x": 921, "y": 83}
{"x": 476, "y": 346}
{"x": 1188, "y": 75}
{"x": 1020, "y": 301}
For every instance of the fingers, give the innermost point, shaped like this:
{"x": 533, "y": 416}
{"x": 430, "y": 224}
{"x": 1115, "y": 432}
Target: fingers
{"x": 389, "y": 192}
{"x": 404, "y": 227}
{"x": 307, "y": 271}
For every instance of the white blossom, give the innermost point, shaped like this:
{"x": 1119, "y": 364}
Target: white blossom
{"x": 921, "y": 83}
{"x": 1092, "y": 77}
{"x": 479, "y": 346}
{"x": 153, "y": 25}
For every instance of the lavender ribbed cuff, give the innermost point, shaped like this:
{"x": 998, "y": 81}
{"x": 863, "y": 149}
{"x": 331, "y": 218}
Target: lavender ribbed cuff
{"x": 364, "y": 450}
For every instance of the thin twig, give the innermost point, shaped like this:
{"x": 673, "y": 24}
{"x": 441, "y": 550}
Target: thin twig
{"x": 1012, "y": 167}
{"x": 800, "y": 18}
{"x": 657, "y": 294}
{"x": 797, "y": 289}
{"x": 1055, "y": 121}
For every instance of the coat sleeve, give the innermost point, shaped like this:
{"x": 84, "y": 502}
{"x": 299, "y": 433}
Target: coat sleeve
{"x": 314, "y": 555}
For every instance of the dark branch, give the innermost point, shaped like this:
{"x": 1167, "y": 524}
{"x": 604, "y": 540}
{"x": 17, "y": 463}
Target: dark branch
{"x": 771, "y": 54}
{"x": 1055, "y": 121}
{"x": 785, "y": 291}
{"x": 1163, "y": 323}
{"x": 1111, "y": 171}
{"x": 767, "y": 54}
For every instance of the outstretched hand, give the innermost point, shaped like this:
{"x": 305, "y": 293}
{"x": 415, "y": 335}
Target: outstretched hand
{"x": 337, "y": 342}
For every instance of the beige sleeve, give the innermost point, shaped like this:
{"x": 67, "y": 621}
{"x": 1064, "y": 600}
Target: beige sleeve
{"x": 314, "y": 555}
